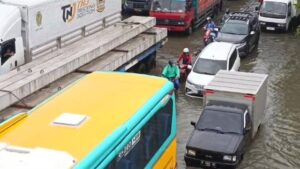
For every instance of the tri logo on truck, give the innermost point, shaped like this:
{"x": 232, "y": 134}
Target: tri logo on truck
{"x": 81, "y": 8}
{"x": 69, "y": 12}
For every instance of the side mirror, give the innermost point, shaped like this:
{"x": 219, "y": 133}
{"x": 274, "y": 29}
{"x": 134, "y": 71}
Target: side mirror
{"x": 189, "y": 67}
{"x": 193, "y": 123}
{"x": 256, "y": 8}
{"x": 252, "y": 32}
{"x": 289, "y": 13}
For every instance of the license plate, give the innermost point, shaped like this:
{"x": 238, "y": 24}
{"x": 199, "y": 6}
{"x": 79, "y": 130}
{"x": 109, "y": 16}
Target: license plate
{"x": 270, "y": 28}
{"x": 208, "y": 164}
{"x": 137, "y": 10}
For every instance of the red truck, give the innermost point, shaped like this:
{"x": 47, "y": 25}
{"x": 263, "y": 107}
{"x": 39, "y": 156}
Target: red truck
{"x": 183, "y": 15}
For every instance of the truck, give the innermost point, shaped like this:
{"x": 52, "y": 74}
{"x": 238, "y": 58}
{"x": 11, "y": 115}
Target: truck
{"x": 31, "y": 29}
{"x": 183, "y": 15}
{"x": 279, "y": 14}
{"x": 137, "y": 6}
{"x": 234, "y": 109}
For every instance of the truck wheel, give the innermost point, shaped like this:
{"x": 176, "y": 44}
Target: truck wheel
{"x": 150, "y": 63}
{"x": 216, "y": 10}
{"x": 142, "y": 68}
{"x": 221, "y": 6}
{"x": 189, "y": 31}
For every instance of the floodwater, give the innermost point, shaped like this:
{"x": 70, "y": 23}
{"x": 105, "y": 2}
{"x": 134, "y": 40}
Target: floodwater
{"x": 277, "y": 144}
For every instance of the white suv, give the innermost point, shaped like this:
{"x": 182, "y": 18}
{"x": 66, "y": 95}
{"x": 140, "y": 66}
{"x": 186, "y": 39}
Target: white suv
{"x": 214, "y": 57}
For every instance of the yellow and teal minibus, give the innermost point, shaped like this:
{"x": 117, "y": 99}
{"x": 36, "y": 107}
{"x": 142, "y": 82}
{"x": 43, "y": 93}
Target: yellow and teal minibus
{"x": 105, "y": 120}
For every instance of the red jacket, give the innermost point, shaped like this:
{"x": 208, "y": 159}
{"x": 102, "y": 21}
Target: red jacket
{"x": 186, "y": 59}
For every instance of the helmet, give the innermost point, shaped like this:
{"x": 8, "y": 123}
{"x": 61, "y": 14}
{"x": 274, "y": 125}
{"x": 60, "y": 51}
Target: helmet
{"x": 186, "y": 50}
{"x": 208, "y": 18}
{"x": 227, "y": 11}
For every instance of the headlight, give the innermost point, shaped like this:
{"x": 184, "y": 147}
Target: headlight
{"x": 233, "y": 158}
{"x": 229, "y": 158}
{"x": 191, "y": 152}
{"x": 189, "y": 82}
{"x": 180, "y": 23}
{"x": 281, "y": 25}
{"x": 263, "y": 23}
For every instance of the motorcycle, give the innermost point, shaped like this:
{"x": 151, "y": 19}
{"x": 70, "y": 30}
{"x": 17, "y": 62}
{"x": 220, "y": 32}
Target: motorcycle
{"x": 184, "y": 71}
{"x": 209, "y": 36}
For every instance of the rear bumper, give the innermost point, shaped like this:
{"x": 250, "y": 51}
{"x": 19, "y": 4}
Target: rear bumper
{"x": 194, "y": 162}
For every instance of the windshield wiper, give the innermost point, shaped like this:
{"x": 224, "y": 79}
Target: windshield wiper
{"x": 210, "y": 129}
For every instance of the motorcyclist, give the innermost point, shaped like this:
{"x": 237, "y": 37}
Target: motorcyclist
{"x": 226, "y": 15}
{"x": 171, "y": 72}
{"x": 210, "y": 24}
{"x": 185, "y": 57}
{"x": 210, "y": 29}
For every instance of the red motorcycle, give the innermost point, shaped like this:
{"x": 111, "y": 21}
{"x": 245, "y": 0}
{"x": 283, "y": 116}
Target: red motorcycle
{"x": 209, "y": 36}
{"x": 184, "y": 71}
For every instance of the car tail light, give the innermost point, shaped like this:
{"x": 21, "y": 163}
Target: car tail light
{"x": 250, "y": 97}
{"x": 208, "y": 92}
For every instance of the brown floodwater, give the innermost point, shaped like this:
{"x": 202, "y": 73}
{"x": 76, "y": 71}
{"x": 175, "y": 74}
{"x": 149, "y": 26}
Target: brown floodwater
{"x": 277, "y": 145}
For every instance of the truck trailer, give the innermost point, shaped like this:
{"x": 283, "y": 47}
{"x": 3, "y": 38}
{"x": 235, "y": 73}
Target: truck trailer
{"x": 183, "y": 15}
{"x": 34, "y": 28}
{"x": 279, "y": 14}
{"x": 234, "y": 108}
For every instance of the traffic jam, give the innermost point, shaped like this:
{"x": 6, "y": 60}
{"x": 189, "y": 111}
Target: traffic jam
{"x": 132, "y": 84}
{"x": 219, "y": 138}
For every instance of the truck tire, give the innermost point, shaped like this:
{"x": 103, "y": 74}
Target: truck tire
{"x": 151, "y": 62}
{"x": 189, "y": 30}
{"x": 221, "y": 5}
{"x": 142, "y": 68}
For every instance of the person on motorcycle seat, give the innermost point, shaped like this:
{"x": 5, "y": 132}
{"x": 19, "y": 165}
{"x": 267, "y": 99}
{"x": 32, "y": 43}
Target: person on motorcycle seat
{"x": 185, "y": 57}
{"x": 210, "y": 24}
{"x": 172, "y": 72}
{"x": 226, "y": 15}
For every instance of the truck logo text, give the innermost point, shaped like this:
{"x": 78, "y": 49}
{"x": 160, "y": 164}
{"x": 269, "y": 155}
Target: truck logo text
{"x": 81, "y": 8}
{"x": 68, "y": 12}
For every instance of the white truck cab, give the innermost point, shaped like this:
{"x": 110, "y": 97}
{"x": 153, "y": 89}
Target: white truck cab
{"x": 11, "y": 42}
{"x": 33, "y": 28}
{"x": 278, "y": 14}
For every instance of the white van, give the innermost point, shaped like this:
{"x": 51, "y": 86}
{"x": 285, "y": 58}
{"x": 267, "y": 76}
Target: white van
{"x": 214, "y": 57}
{"x": 279, "y": 14}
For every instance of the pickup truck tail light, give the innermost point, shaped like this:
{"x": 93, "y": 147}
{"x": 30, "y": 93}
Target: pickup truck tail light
{"x": 250, "y": 97}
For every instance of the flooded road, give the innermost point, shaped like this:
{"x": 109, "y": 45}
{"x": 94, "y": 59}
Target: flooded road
{"x": 277, "y": 145}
